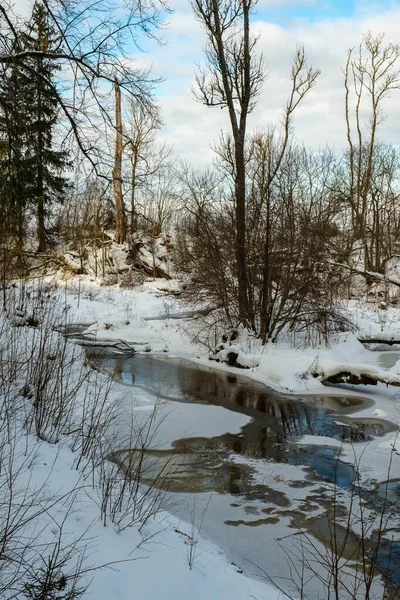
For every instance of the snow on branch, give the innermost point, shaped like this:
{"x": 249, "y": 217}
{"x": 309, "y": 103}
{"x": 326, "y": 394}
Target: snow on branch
{"x": 367, "y": 274}
{"x": 390, "y": 338}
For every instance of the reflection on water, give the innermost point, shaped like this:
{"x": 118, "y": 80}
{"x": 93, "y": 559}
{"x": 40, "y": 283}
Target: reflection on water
{"x": 388, "y": 359}
{"x": 201, "y": 464}
{"x": 390, "y": 490}
{"x": 206, "y": 464}
{"x": 193, "y": 468}
{"x": 278, "y": 420}
{"x": 277, "y": 417}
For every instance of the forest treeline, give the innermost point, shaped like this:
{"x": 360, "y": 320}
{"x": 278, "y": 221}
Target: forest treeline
{"x": 266, "y": 234}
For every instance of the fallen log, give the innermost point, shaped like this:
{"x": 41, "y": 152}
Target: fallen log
{"x": 120, "y": 345}
{"x": 371, "y": 275}
{"x": 377, "y": 340}
{"x": 151, "y": 271}
{"x": 348, "y": 377}
{"x": 356, "y": 375}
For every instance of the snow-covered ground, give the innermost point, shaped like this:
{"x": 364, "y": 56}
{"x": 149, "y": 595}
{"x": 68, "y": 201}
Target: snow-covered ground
{"x": 54, "y": 500}
{"x": 151, "y": 564}
{"x": 151, "y": 320}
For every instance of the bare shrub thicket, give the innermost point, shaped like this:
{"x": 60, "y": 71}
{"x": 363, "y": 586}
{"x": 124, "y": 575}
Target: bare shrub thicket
{"x": 37, "y": 560}
{"x": 95, "y": 416}
{"x": 84, "y": 221}
{"x": 53, "y": 577}
{"x": 25, "y": 507}
{"x": 261, "y": 241}
{"x": 49, "y": 392}
{"x": 123, "y": 499}
{"x": 52, "y": 371}
{"x": 291, "y": 226}
{"x": 232, "y": 78}
{"x": 290, "y": 229}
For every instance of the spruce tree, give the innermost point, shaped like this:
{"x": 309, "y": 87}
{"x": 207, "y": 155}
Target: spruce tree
{"x": 31, "y": 168}
{"x": 14, "y": 166}
{"x": 46, "y": 164}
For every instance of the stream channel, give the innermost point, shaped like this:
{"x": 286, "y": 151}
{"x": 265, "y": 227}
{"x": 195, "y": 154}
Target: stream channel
{"x": 254, "y": 483}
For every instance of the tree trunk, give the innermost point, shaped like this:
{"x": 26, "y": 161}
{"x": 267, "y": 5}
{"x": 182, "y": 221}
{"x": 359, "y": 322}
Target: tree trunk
{"x": 41, "y": 231}
{"x": 133, "y": 223}
{"x": 120, "y": 220}
{"x": 240, "y": 211}
{"x": 238, "y": 133}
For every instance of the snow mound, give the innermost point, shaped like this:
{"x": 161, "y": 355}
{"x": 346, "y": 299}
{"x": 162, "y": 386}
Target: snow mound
{"x": 235, "y": 356}
{"x": 329, "y": 371}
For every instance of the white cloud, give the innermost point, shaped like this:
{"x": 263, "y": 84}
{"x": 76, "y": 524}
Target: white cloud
{"x": 22, "y": 8}
{"x": 320, "y": 120}
{"x": 193, "y": 128}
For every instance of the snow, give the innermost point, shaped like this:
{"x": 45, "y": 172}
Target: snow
{"x": 312, "y": 440}
{"x": 392, "y": 444}
{"x": 174, "y": 419}
{"x": 151, "y": 561}
{"x": 379, "y": 413}
{"x": 153, "y": 321}
{"x": 144, "y": 318}
{"x": 154, "y": 569}
{"x": 383, "y": 335}
{"x": 326, "y": 369}
{"x": 242, "y": 359}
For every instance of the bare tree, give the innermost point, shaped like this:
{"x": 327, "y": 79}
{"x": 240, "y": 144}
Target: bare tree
{"x": 369, "y": 78}
{"x": 291, "y": 223}
{"x": 294, "y": 217}
{"x": 146, "y": 157}
{"x": 232, "y": 79}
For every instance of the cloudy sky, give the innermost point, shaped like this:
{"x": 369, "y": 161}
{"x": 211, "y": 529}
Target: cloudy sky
{"x": 327, "y": 29}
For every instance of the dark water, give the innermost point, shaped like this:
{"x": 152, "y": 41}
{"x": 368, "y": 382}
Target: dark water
{"x": 390, "y": 490}
{"x": 205, "y": 464}
{"x": 277, "y": 418}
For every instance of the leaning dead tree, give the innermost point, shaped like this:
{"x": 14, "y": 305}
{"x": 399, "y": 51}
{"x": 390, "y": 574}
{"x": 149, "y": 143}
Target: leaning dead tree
{"x": 367, "y": 274}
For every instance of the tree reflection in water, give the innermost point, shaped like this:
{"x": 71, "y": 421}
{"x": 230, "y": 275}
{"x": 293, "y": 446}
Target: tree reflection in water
{"x": 277, "y": 420}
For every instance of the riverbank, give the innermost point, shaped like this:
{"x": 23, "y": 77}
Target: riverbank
{"x": 52, "y": 492}
{"x": 153, "y": 322}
